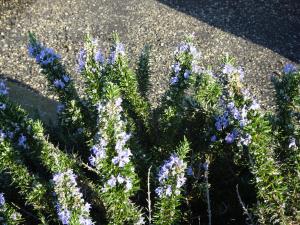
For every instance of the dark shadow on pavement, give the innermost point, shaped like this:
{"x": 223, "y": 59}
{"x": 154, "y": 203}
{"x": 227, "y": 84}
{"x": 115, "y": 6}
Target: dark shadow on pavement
{"x": 274, "y": 24}
{"x": 37, "y": 105}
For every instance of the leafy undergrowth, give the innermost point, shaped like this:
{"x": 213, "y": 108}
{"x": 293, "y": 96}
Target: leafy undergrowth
{"x": 208, "y": 154}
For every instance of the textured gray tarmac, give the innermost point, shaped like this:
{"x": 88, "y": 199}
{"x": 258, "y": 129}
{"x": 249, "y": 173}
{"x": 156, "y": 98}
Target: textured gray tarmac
{"x": 62, "y": 24}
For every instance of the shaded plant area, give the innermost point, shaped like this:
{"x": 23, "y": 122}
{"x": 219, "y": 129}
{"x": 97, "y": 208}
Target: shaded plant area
{"x": 208, "y": 154}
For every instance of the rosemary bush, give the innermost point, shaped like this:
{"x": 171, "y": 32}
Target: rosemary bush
{"x": 208, "y": 154}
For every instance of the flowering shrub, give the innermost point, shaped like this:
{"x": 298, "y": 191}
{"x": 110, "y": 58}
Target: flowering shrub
{"x": 207, "y": 153}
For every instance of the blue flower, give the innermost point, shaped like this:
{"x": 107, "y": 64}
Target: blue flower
{"x": 46, "y": 56}
{"x": 2, "y": 199}
{"x": 174, "y": 80}
{"x": 3, "y": 88}
{"x": 22, "y": 141}
{"x": 231, "y": 136}
{"x": 241, "y": 73}
{"x": 236, "y": 113}
{"x": 128, "y": 184}
{"x": 221, "y": 122}
{"x": 69, "y": 197}
{"x": 112, "y": 58}
{"x": 228, "y": 69}
{"x": 289, "y": 68}
{"x": 66, "y": 78}
{"x": 85, "y": 221}
{"x": 122, "y": 158}
{"x": 2, "y": 106}
{"x": 81, "y": 59}
{"x": 159, "y": 191}
{"x": 172, "y": 170}
{"x": 98, "y": 151}
{"x": 59, "y": 84}
{"x": 99, "y": 57}
{"x": 169, "y": 190}
{"x": 33, "y": 50}
{"x": 92, "y": 160}
{"x": 187, "y": 74}
{"x": 64, "y": 215}
{"x": 180, "y": 181}
{"x": 118, "y": 50}
{"x": 120, "y": 179}
{"x": 2, "y": 135}
{"x": 112, "y": 182}
{"x": 176, "y": 68}
{"x": 190, "y": 171}
{"x": 183, "y": 47}
{"x": 213, "y": 138}
{"x": 230, "y": 106}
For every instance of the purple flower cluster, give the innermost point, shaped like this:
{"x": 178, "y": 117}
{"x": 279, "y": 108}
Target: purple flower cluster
{"x": 3, "y": 88}
{"x": 230, "y": 137}
{"x": 43, "y": 56}
{"x": 8, "y": 134}
{"x": 99, "y": 57}
{"x": 81, "y": 59}
{"x": 64, "y": 215}
{"x": 70, "y": 199}
{"x": 61, "y": 83}
{"x": 2, "y": 106}
{"x": 229, "y": 69}
{"x": 113, "y": 181}
{"x": 185, "y": 48}
{"x": 2, "y": 199}
{"x": 222, "y": 121}
{"x": 119, "y": 50}
{"x": 123, "y": 153}
{"x": 34, "y": 49}
{"x": 189, "y": 49}
{"x": 289, "y": 68}
{"x": 174, "y": 80}
{"x": 122, "y": 158}
{"x": 2, "y": 135}
{"x": 239, "y": 115}
{"x": 107, "y": 112}
{"x": 233, "y": 115}
{"x": 171, "y": 177}
{"x": 98, "y": 151}
{"x": 22, "y": 141}
{"x": 47, "y": 56}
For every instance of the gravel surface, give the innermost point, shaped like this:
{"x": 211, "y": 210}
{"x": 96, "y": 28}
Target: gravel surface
{"x": 62, "y": 24}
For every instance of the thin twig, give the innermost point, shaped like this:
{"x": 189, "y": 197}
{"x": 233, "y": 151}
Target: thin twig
{"x": 246, "y": 212}
{"x": 149, "y": 197}
{"x": 207, "y": 190}
{"x": 89, "y": 168}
